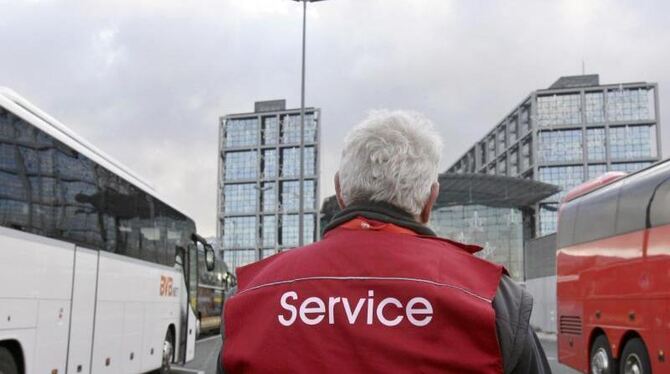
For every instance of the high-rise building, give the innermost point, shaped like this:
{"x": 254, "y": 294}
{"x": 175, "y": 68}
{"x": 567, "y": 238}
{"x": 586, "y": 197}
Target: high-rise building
{"x": 571, "y": 132}
{"x": 259, "y": 181}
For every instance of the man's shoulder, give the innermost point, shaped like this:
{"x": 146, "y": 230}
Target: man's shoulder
{"x": 513, "y": 306}
{"x": 273, "y": 266}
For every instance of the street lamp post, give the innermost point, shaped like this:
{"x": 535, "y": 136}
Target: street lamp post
{"x": 301, "y": 210}
{"x": 259, "y": 244}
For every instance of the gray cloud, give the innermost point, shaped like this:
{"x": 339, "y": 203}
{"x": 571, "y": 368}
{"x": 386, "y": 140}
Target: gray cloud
{"x": 147, "y": 81}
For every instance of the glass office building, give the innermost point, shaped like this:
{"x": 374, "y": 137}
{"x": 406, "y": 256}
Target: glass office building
{"x": 259, "y": 181}
{"x": 569, "y": 133}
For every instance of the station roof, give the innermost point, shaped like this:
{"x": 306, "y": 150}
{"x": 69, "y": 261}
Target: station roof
{"x": 474, "y": 189}
{"x": 491, "y": 190}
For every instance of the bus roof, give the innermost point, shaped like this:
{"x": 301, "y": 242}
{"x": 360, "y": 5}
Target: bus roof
{"x": 593, "y": 184}
{"x": 608, "y": 178}
{"x": 43, "y": 121}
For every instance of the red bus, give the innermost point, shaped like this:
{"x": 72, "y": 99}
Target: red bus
{"x": 613, "y": 274}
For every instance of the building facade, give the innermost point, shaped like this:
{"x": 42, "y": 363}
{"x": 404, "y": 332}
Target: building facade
{"x": 259, "y": 181}
{"x": 571, "y": 132}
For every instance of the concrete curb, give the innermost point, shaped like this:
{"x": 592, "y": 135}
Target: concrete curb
{"x": 208, "y": 338}
{"x": 177, "y": 370}
{"x": 548, "y": 336}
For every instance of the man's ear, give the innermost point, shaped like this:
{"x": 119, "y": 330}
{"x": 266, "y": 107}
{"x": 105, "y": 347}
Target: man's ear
{"x": 428, "y": 207}
{"x": 338, "y": 191}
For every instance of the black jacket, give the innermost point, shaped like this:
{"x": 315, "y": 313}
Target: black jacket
{"x": 520, "y": 348}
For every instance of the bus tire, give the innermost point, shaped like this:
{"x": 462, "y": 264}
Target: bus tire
{"x": 634, "y": 358}
{"x": 600, "y": 359}
{"x": 167, "y": 353}
{"x": 7, "y": 362}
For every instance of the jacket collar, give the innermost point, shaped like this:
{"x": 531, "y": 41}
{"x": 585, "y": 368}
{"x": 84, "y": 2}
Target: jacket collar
{"x": 379, "y": 211}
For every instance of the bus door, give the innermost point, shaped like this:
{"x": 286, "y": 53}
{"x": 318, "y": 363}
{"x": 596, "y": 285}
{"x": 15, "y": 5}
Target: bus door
{"x": 189, "y": 321}
{"x": 85, "y": 280}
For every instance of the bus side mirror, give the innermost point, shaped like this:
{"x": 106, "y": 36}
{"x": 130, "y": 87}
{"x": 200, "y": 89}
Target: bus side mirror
{"x": 209, "y": 258}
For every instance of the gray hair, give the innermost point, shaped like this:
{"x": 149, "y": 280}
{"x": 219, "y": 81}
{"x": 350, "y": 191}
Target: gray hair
{"x": 392, "y": 157}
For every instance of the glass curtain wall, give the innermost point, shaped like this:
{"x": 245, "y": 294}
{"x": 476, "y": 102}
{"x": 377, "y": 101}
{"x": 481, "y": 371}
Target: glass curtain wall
{"x": 498, "y": 230}
{"x": 260, "y": 195}
{"x": 615, "y": 132}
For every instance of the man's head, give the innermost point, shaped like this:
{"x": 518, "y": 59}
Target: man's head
{"x": 392, "y": 157}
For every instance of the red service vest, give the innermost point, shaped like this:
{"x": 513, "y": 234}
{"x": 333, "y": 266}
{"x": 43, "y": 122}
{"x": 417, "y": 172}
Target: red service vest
{"x": 369, "y": 297}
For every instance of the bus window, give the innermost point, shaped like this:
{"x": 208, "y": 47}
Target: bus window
{"x": 633, "y": 202}
{"x": 30, "y": 192}
{"x": 597, "y": 214}
{"x": 80, "y": 198}
{"x": 173, "y": 239}
{"x": 659, "y": 213}
{"x": 566, "y": 223}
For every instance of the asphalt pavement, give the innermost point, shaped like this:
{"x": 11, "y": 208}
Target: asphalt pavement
{"x": 207, "y": 352}
{"x": 549, "y": 345}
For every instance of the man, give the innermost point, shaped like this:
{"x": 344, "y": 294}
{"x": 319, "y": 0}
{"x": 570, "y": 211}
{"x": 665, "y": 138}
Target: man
{"x": 381, "y": 292}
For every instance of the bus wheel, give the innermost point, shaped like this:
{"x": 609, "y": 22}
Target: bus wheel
{"x": 601, "y": 360}
{"x": 7, "y": 363}
{"x": 168, "y": 353}
{"x": 635, "y": 359}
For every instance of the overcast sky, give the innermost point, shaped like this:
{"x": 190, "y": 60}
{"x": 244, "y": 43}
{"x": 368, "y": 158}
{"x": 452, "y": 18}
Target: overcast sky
{"x": 146, "y": 81}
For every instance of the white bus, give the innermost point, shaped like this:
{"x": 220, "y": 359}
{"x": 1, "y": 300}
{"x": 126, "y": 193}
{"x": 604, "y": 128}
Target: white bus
{"x": 95, "y": 270}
